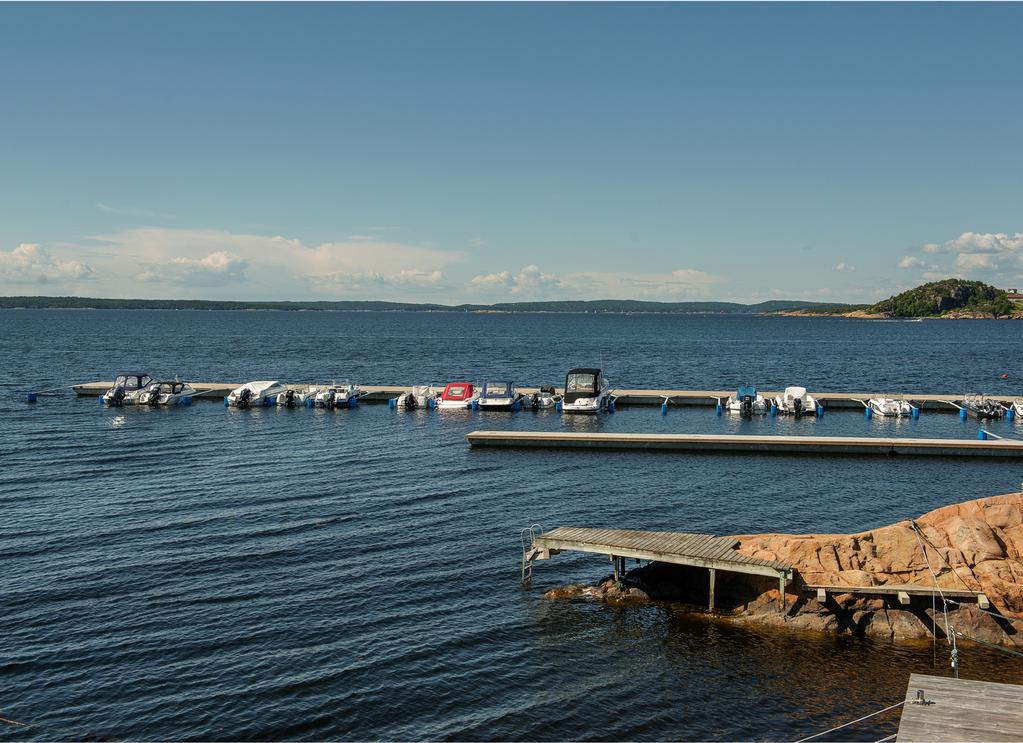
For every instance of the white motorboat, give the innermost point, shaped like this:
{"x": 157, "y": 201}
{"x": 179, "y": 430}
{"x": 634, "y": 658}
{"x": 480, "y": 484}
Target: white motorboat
{"x": 167, "y": 393}
{"x": 338, "y": 396}
{"x": 458, "y": 396}
{"x": 255, "y": 394}
{"x": 586, "y": 391}
{"x": 420, "y": 396}
{"x": 747, "y": 402}
{"x": 982, "y": 407}
{"x": 294, "y": 398}
{"x": 127, "y": 389}
{"x": 890, "y": 407}
{"x": 499, "y": 395}
{"x": 543, "y": 399}
{"x": 1017, "y": 408}
{"x": 795, "y": 401}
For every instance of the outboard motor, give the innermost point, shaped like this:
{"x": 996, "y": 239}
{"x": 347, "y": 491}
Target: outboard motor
{"x": 410, "y": 401}
{"x": 746, "y": 406}
{"x": 534, "y": 401}
{"x": 244, "y": 398}
{"x": 289, "y": 398}
{"x": 154, "y": 398}
{"x": 797, "y": 406}
{"x": 117, "y": 396}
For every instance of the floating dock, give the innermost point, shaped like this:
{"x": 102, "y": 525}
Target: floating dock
{"x": 950, "y": 709}
{"x": 679, "y": 548}
{"x": 730, "y": 443}
{"x": 944, "y": 403}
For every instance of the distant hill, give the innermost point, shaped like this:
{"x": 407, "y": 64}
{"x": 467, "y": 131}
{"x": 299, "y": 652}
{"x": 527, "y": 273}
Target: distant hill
{"x": 594, "y": 306}
{"x": 940, "y": 298}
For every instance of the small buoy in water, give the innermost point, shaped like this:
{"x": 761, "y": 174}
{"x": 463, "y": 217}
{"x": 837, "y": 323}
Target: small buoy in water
{"x": 226, "y": 403}
{"x": 664, "y": 408}
{"x": 31, "y": 397}
{"x": 431, "y": 403}
{"x": 774, "y": 409}
{"x": 353, "y": 401}
{"x": 962, "y": 414}
{"x": 868, "y": 413}
{"x": 1005, "y": 376}
{"x": 557, "y": 406}
{"x": 310, "y": 402}
{"x": 1010, "y": 414}
{"x": 611, "y": 406}
{"x": 916, "y": 412}
{"x": 717, "y": 409}
{"x": 820, "y": 411}
{"x": 186, "y": 400}
{"x": 392, "y": 403}
{"x": 475, "y": 404}
{"x": 982, "y": 435}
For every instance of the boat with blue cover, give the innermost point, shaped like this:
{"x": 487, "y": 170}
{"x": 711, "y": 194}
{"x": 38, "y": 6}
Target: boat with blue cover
{"x": 499, "y": 395}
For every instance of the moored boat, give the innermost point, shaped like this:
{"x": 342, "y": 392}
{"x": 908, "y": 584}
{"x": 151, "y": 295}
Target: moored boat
{"x": 499, "y": 395}
{"x": 255, "y": 394}
{"x": 420, "y": 396}
{"x": 796, "y": 401}
{"x": 890, "y": 407}
{"x": 982, "y": 407}
{"x": 175, "y": 392}
{"x": 457, "y": 395}
{"x": 747, "y": 402}
{"x": 127, "y": 389}
{"x": 586, "y": 391}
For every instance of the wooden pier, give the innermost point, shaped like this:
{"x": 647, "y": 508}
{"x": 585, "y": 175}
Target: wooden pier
{"x": 903, "y": 591}
{"x": 949, "y": 709}
{"x": 737, "y": 443}
{"x": 675, "y": 398}
{"x": 679, "y": 548}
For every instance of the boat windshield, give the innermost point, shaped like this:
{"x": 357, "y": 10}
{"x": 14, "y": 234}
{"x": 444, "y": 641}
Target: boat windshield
{"x": 498, "y": 389}
{"x": 581, "y": 383}
{"x": 458, "y": 391}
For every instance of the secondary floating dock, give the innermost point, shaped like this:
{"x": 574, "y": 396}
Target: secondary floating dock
{"x": 675, "y": 398}
{"x": 679, "y": 548}
{"x": 950, "y": 709}
{"x": 729, "y": 443}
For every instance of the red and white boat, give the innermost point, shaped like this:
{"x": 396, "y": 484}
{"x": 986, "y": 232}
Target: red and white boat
{"x": 458, "y": 395}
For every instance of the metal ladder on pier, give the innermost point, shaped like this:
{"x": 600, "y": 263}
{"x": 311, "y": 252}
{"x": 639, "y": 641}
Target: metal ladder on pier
{"x": 530, "y": 552}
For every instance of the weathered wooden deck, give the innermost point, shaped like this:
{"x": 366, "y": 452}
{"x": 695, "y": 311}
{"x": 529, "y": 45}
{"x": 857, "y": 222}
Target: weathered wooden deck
{"x": 904, "y": 592}
{"x": 738, "y": 443}
{"x": 961, "y": 710}
{"x": 679, "y": 548}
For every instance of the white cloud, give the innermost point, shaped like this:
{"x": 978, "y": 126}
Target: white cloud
{"x": 845, "y": 267}
{"x": 30, "y": 263}
{"x": 217, "y": 268}
{"x": 979, "y": 242}
{"x": 365, "y": 281}
{"x": 529, "y": 279}
{"x": 911, "y": 261}
{"x": 977, "y": 262}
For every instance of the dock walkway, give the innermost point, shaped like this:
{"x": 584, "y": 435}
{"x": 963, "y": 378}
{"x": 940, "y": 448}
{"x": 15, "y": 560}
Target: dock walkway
{"x": 960, "y": 710}
{"x": 737, "y": 443}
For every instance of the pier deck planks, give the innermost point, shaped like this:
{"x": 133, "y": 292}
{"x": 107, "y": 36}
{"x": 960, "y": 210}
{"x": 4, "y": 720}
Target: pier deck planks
{"x": 962, "y": 710}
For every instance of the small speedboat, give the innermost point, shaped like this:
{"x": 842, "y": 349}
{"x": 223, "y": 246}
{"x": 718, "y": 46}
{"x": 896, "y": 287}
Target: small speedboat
{"x": 747, "y": 402}
{"x": 543, "y": 399}
{"x": 982, "y": 407}
{"x": 586, "y": 391}
{"x": 127, "y": 389}
{"x": 255, "y": 394}
{"x": 499, "y": 395}
{"x": 338, "y": 396}
{"x": 1017, "y": 408}
{"x": 795, "y": 401}
{"x": 167, "y": 393}
{"x": 293, "y": 398}
{"x": 420, "y": 396}
{"x": 890, "y": 407}
{"x": 457, "y": 395}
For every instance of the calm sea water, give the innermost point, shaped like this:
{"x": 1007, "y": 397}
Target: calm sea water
{"x": 202, "y": 573}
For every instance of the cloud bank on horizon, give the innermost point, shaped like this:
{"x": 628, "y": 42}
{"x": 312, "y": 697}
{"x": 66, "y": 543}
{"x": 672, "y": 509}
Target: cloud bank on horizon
{"x": 159, "y": 262}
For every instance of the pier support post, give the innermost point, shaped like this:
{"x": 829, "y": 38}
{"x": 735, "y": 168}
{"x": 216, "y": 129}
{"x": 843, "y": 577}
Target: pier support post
{"x": 710, "y": 602}
{"x": 614, "y": 559}
{"x": 781, "y": 591}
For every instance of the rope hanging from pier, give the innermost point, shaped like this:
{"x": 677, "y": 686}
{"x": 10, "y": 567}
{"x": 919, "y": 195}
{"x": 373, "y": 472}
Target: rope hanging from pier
{"x": 852, "y": 722}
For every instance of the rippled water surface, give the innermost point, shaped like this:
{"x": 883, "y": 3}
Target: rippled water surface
{"x": 210, "y": 573}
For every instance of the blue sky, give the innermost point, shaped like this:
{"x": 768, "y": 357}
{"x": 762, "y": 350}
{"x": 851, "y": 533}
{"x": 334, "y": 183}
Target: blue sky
{"x": 491, "y": 152}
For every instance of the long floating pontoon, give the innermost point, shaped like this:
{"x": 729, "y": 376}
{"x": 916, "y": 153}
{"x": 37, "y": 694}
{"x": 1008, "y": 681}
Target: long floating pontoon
{"x": 689, "y": 442}
{"x": 944, "y": 403}
{"x": 938, "y": 708}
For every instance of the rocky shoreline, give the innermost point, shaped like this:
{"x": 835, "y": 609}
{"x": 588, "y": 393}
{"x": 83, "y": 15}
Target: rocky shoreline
{"x": 975, "y": 546}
